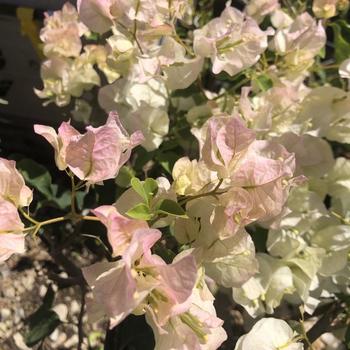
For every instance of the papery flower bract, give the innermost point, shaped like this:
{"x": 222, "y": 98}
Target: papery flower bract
{"x": 153, "y": 122}
{"x": 121, "y": 287}
{"x": 232, "y": 41}
{"x": 11, "y": 243}
{"x": 258, "y": 9}
{"x": 229, "y": 262}
{"x": 61, "y": 32}
{"x": 273, "y": 112}
{"x": 263, "y": 292}
{"x": 94, "y": 156}
{"x": 269, "y": 334}
{"x": 96, "y": 14}
{"x": 191, "y": 176}
{"x": 182, "y": 75}
{"x": 198, "y": 328}
{"x": 142, "y": 106}
{"x": 301, "y": 41}
{"x": 338, "y": 185}
{"x": 11, "y": 237}
{"x": 281, "y": 19}
{"x": 324, "y": 112}
{"x": 12, "y": 186}
{"x": 313, "y": 155}
{"x": 119, "y": 228}
{"x": 264, "y": 172}
{"x": 224, "y": 141}
{"x": 64, "y": 78}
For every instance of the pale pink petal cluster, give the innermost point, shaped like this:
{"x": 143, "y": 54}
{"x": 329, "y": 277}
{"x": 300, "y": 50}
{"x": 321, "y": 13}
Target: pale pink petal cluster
{"x": 264, "y": 173}
{"x": 120, "y": 229}
{"x": 224, "y": 140}
{"x": 12, "y": 186}
{"x": 11, "y": 238}
{"x": 94, "y": 156}
{"x": 233, "y": 41}
{"x": 301, "y": 41}
{"x": 178, "y": 308}
{"x": 101, "y": 15}
{"x": 141, "y": 281}
{"x": 198, "y": 328}
{"x": 14, "y": 194}
{"x": 62, "y": 31}
{"x": 246, "y": 180}
{"x": 258, "y": 9}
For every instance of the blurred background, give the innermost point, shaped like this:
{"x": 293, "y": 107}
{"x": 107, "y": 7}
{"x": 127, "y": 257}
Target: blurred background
{"x": 20, "y": 57}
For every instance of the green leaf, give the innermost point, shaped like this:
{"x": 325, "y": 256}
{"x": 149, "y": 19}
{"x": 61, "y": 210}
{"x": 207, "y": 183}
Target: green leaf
{"x": 341, "y": 31}
{"x": 167, "y": 160}
{"x": 347, "y": 338}
{"x": 46, "y": 305}
{"x": 43, "y": 321}
{"x": 137, "y": 185}
{"x": 124, "y": 176}
{"x": 264, "y": 82}
{"x": 92, "y": 36}
{"x": 146, "y": 189}
{"x": 151, "y": 187}
{"x": 169, "y": 207}
{"x": 42, "y": 328}
{"x": 140, "y": 211}
{"x": 36, "y": 176}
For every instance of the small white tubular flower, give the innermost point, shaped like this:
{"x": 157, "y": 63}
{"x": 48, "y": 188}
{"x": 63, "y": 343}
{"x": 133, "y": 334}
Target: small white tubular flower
{"x": 269, "y": 334}
{"x": 233, "y": 41}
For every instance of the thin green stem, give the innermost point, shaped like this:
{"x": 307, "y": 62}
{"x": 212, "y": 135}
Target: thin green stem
{"x": 304, "y": 335}
{"x": 233, "y": 88}
{"x": 28, "y": 217}
{"x": 134, "y": 37}
{"x": 184, "y": 45}
{"x": 341, "y": 218}
{"x": 89, "y": 218}
{"x": 214, "y": 192}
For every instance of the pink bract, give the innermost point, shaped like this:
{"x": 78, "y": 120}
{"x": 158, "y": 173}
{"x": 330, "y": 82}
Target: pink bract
{"x": 96, "y": 155}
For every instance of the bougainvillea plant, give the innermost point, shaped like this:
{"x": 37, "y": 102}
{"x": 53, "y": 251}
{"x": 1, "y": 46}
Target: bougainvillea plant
{"x": 221, "y": 132}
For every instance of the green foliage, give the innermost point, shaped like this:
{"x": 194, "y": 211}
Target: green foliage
{"x": 140, "y": 211}
{"x": 264, "y": 82}
{"x": 146, "y": 189}
{"x": 43, "y": 321}
{"x": 347, "y": 338}
{"x": 36, "y": 176}
{"x": 341, "y": 31}
{"x": 169, "y": 207}
{"x": 124, "y": 176}
{"x": 167, "y": 160}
